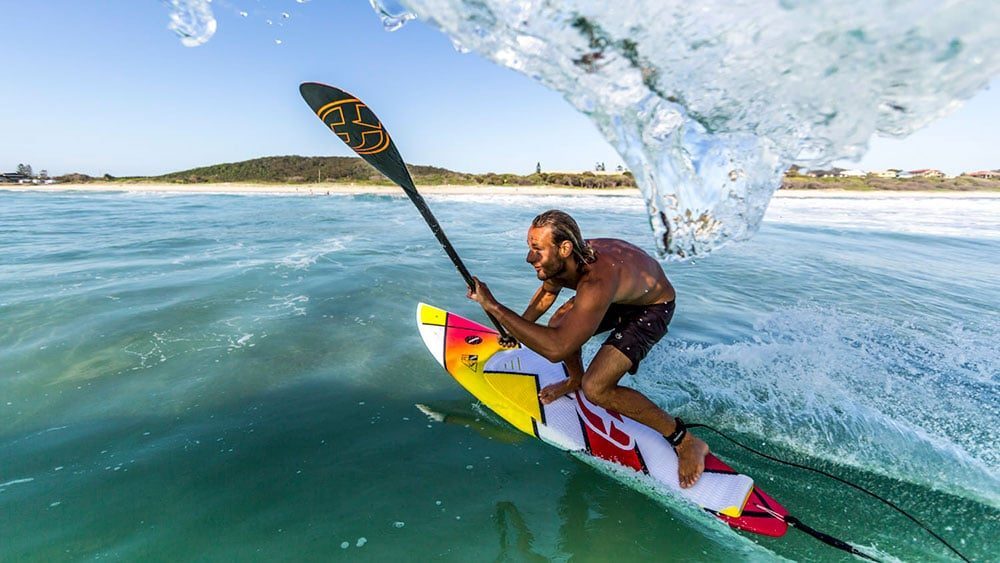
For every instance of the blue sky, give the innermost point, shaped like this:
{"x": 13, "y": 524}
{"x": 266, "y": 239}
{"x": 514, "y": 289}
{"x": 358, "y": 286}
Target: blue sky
{"x": 104, "y": 87}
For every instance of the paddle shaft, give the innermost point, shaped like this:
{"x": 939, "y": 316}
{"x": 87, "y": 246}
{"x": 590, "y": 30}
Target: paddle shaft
{"x": 432, "y": 222}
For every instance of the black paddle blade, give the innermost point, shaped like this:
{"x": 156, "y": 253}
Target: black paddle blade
{"x": 351, "y": 120}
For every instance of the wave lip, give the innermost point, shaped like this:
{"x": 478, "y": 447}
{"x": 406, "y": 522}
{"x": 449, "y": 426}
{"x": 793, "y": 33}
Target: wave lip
{"x": 710, "y": 102}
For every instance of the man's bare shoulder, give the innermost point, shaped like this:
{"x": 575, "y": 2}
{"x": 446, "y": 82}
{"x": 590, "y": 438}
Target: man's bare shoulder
{"x": 597, "y": 243}
{"x": 631, "y": 273}
{"x": 617, "y": 248}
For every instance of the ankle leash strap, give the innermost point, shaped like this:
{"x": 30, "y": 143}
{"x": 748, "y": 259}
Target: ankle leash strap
{"x": 677, "y": 436}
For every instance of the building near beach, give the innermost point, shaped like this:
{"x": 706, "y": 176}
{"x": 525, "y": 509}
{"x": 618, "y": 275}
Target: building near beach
{"x": 14, "y": 178}
{"x": 926, "y": 173}
{"x": 887, "y": 173}
{"x": 984, "y": 174}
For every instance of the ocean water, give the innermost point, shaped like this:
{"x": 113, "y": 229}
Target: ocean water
{"x": 212, "y": 377}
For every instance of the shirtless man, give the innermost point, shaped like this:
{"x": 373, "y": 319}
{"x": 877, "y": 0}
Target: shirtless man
{"x": 618, "y": 288}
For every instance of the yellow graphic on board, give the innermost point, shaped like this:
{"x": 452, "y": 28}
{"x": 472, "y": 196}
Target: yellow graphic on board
{"x": 520, "y": 389}
{"x": 432, "y": 315}
{"x": 467, "y": 347}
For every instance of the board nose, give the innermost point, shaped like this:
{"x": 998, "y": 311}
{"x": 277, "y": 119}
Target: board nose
{"x": 431, "y": 321}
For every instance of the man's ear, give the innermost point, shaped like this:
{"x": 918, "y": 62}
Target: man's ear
{"x": 565, "y": 249}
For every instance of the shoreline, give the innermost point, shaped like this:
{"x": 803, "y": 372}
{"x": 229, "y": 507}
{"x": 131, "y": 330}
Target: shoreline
{"x": 487, "y": 190}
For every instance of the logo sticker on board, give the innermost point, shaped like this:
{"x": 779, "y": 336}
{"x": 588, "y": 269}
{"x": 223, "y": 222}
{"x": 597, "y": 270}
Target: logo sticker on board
{"x": 471, "y": 361}
{"x": 473, "y": 339}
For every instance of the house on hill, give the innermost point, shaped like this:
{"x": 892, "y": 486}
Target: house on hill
{"x": 887, "y": 173}
{"x": 14, "y": 178}
{"x": 926, "y": 173}
{"x": 984, "y": 174}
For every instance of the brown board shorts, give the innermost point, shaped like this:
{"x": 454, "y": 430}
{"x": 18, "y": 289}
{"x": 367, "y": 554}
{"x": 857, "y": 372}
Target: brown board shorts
{"x": 636, "y": 328}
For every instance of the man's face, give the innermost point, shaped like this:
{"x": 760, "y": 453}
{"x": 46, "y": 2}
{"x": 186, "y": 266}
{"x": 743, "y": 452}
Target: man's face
{"x": 543, "y": 254}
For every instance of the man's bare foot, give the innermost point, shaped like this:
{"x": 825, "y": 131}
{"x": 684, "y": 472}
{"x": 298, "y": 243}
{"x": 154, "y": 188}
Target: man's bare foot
{"x": 690, "y": 460}
{"x": 552, "y": 392}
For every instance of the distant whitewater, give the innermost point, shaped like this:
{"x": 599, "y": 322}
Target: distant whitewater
{"x": 709, "y": 102}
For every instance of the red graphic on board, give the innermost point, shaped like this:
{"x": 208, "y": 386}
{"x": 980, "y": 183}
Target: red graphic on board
{"x": 608, "y": 441}
{"x": 761, "y": 513}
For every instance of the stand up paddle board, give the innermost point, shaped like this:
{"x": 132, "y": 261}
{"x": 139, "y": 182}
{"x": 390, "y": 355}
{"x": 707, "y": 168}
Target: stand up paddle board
{"x": 508, "y": 380}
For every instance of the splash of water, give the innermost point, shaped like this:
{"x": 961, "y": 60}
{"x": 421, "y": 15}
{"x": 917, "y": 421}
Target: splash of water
{"x": 709, "y": 102}
{"x": 192, "y": 21}
{"x": 392, "y": 15}
{"x": 858, "y": 389}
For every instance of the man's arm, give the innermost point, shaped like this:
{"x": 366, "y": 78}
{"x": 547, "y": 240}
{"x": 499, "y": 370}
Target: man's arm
{"x": 541, "y": 301}
{"x": 553, "y": 343}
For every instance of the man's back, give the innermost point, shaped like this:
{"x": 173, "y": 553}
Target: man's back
{"x": 637, "y": 277}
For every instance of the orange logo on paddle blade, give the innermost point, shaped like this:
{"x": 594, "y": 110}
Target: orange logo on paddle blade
{"x": 356, "y": 125}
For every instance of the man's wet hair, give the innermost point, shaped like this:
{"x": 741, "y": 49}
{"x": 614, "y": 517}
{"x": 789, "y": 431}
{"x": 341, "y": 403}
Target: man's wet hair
{"x": 565, "y": 228}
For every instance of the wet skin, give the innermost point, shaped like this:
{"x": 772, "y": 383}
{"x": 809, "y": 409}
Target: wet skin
{"x": 622, "y": 273}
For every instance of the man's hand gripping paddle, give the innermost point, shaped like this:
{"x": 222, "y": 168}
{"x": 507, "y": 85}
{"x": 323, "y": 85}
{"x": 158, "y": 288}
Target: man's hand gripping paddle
{"x": 351, "y": 120}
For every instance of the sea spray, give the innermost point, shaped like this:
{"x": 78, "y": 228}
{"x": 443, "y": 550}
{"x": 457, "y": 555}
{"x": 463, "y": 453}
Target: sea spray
{"x": 857, "y": 389}
{"x": 192, "y": 21}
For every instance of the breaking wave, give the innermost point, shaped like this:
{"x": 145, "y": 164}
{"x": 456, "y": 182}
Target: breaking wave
{"x": 709, "y": 102}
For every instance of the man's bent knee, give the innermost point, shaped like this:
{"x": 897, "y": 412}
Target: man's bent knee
{"x": 595, "y": 392}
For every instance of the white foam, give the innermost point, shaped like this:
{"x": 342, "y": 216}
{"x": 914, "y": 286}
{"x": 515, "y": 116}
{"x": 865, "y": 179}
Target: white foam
{"x": 824, "y": 381}
{"x": 932, "y": 215}
{"x": 17, "y": 481}
{"x": 304, "y": 257}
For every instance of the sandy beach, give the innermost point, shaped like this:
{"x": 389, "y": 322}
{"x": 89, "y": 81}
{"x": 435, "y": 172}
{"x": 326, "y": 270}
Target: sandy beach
{"x": 350, "y": 189}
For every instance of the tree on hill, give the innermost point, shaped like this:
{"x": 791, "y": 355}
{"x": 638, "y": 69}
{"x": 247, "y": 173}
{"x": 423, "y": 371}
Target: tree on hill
{"x": 74, "y": 178}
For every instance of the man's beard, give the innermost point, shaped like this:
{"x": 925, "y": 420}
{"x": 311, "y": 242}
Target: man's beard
{"x": 543, "y": 275}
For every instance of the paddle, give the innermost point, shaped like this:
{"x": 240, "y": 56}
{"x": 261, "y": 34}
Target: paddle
{"x": 351, "y": 120}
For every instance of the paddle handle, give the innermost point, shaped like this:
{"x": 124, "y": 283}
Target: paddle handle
{"x": 432, "y": 222}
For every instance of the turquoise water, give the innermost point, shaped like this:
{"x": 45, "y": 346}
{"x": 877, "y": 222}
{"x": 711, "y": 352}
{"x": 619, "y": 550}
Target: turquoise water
{"x": 235, "y": 377}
